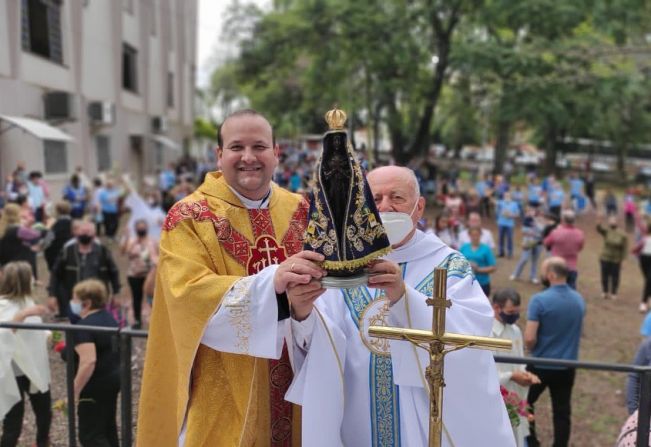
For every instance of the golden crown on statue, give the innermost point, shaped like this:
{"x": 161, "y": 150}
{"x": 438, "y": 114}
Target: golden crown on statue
{"x": 336, "y": 118}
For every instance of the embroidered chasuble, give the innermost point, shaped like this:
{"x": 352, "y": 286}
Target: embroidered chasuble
{"x": 217, "y": 365}
{"x": 361, "y": 391}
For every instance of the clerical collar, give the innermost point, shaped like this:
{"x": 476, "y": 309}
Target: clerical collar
{"x": 406, "y": 253}
{"x": 253, "y": 204}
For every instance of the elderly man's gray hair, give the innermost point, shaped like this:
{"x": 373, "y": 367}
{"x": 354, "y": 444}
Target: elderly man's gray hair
{"x": 568, "y": 216}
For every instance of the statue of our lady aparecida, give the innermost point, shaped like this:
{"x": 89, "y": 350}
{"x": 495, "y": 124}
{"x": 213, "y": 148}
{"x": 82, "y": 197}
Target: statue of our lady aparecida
{"x": 344, "y": 223}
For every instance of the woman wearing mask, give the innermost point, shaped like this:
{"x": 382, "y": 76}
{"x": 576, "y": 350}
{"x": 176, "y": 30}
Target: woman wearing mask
{"x": 142, "y": 252}
{"x": 97, "y": 380}
{"x": 18, "y": 242}
{"x": 24, "y": 366}
{"x": 613, "y": 252}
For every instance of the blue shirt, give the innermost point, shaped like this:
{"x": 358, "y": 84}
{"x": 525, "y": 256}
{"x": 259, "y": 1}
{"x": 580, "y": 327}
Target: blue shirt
{"x": 556, "y": 197}
{"x": 646, "y": 325}
{"x": 481, "y": 187}
{"x": 483, "y": 257}
{"x": 507, "y": 210}
{"x": 76, "y": 196}
{"x": 576, "y": 187}
{"x": 167, "y": 179}
{"x": 108, "y": 200}
{"x": 559, "y": 311}
{"x": 36, "y": 194}
{"x": 534, "y": 193}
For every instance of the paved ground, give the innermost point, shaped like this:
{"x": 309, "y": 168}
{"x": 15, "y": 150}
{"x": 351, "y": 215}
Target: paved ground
{"x": 610, "y": 335}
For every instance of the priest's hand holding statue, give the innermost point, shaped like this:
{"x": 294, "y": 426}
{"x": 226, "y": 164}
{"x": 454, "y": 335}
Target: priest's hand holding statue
{"x": 345, "y": 227}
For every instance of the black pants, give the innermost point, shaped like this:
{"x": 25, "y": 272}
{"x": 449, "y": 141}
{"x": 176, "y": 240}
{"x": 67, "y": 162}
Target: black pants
{"x": 572, "y": 277}
{"x": 97, "y": 412}
{"x": 560, "y": 383}
{"x": 610, "y": 276}
{"x": 485, "y": 206}
{"x": 110, "y": 223}
{"x": 487, "y": 289}
{"x": 135, "y": 284}
{"x": 13, "y": 421}
{"x": 630, "y": 222}
{"x": 39, "y": 214}
{"x": 556, "y": 211}
{"x": 645, "y": 266}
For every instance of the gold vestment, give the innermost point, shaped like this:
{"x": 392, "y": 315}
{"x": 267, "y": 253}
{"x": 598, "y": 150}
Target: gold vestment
{"x": 208, "y": 243}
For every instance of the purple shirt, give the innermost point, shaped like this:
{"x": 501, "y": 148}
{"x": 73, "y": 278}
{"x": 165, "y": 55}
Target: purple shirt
{"x": 566, "y": 241}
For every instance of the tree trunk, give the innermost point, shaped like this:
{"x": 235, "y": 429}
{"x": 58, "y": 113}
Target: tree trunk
{"x": 621, "y": 160}
{"x": 501, "y": 145}
{"x": 420, "y": 143}
{"x": 550, "y": 150}
{"x": 376, "y": 133}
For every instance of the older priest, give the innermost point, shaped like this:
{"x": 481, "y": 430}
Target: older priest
{"x": 360, "y": 391}
{"x": 220, "y": 294}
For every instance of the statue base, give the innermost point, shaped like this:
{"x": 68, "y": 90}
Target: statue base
{"x": 344, "y": 282}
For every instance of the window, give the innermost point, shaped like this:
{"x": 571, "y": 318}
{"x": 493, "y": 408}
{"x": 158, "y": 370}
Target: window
{"x": 129, "y": 68}
{"x": 170, "y": 89}
{"x": 41, "y": 28}
{"x": 56, "y": 157}
{"x": 103, "y": 144}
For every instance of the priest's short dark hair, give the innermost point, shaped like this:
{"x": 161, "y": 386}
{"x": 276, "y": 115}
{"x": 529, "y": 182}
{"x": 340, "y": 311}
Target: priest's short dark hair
{"x": 244, "y": 112}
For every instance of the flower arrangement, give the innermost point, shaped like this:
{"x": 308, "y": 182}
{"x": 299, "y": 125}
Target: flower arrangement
{"x": 515, "y": 407}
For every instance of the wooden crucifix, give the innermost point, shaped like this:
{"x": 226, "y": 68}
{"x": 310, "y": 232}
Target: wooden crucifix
{"x": 435, "y": 343}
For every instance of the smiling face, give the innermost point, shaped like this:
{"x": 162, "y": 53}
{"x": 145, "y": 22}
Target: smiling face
{"x": 248, "y": 156}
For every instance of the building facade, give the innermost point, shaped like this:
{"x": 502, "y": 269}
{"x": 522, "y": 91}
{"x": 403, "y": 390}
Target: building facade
{"x": 107, "y": 85}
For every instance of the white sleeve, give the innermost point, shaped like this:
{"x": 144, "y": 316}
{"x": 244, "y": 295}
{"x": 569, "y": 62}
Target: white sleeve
{"x": 489, "y": 239}
{"x": 247, "y": 319}
{"x": 318, "y": 385}
{"x": 302, "y": 336}
{"x": 302, "y": 331}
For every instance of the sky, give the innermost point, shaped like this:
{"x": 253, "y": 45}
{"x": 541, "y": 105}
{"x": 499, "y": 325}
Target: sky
{"x": 209, "y": 26}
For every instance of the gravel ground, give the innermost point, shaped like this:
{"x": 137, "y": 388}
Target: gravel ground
{"x": 610, "y": 335}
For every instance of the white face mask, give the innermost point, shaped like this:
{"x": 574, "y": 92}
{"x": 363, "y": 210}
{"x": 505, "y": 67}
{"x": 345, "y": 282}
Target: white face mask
{"x": 397, "y": 225}
{"x": 75, "y": 307}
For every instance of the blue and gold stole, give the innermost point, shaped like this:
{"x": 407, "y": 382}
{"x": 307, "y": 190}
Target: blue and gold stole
{"x": 385, "y": 398}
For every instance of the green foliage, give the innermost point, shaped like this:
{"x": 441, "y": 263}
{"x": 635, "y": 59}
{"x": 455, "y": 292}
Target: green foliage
{"x": 205, "y": 129}
{"x": 561, "y": 69}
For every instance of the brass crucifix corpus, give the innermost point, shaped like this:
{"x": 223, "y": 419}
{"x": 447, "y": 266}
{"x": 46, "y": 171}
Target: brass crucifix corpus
{"x": 435, "y": 342}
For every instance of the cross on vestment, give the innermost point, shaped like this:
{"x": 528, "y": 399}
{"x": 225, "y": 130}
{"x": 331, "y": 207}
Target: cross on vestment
{"x": 435, "y": 343}
{"x": 267, "y": 250}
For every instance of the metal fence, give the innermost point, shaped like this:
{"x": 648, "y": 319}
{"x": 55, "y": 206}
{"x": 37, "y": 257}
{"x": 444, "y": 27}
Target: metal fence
{"x": 125, "y": 337}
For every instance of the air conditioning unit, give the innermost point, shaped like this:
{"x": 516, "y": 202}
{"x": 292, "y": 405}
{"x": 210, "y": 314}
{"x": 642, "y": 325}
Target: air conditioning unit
{"x": 101, "y": 112}
{"x": 159, "y": 124}
{"x": 58, "y": 106}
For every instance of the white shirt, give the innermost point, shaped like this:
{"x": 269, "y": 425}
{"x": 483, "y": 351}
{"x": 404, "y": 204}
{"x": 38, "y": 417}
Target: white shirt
{"x": 505, "y": 370}
{"x": 485, "y": 238}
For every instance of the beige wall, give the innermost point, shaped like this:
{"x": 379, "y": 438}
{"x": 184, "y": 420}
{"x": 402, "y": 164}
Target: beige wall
{"x": 4, "y": 39}
{"x": 93, "y": 33}
{"x": 99, "y": 40}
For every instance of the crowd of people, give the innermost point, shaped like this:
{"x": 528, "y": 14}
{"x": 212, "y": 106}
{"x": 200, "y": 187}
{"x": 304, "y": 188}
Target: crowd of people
{"x": 78, "y": 235}
{"x": 81, "y": 233}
